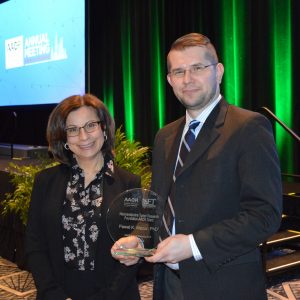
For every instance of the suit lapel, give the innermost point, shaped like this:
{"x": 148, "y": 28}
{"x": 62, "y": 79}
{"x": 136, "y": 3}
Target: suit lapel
{"x": 172, "y": 146}
{"x": 57, "y": 194}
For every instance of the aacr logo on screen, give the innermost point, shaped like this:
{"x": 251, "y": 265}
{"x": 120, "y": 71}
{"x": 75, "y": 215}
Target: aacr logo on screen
{"x": 23, "y": 51}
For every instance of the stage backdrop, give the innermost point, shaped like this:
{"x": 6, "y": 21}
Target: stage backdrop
{"x": 257, "y": 41}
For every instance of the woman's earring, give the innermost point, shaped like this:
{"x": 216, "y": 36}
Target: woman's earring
{"x": 105, "y": 135}
{"x": 66, "y": 146}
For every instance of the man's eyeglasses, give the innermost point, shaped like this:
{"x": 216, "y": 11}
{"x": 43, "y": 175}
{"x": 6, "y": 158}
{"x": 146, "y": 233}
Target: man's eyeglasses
{"x": 88, "y": 127}
{"x": 194, "y": 70}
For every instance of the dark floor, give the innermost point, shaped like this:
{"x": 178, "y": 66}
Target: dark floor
{"x": 16, "y": 284}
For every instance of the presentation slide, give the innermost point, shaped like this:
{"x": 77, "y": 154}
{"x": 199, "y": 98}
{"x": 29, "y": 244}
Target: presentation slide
{"x": 42, "y": 51}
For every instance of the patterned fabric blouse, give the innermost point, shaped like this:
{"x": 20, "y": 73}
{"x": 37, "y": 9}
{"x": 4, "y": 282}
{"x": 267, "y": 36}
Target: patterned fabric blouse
{"x": 80, "y": 219}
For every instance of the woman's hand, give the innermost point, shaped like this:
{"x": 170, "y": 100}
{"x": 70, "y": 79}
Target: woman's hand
{"x": 120, "y": 245}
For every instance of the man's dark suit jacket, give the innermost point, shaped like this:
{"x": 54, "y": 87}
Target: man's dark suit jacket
{"x": 44, "y": 245}
{"x": 228, "y": 195}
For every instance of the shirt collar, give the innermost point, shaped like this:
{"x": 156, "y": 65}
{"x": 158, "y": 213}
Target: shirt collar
{"x": 108, "y": 167}
{"x": 204, "y": 114}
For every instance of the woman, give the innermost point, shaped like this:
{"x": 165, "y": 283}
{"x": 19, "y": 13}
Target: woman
{"x": 67, "y": 242}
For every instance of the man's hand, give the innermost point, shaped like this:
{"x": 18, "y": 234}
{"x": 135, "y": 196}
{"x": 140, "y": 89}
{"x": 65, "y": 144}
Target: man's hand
{"x": 123, "y": 243}
{"x": 172, "y": 250}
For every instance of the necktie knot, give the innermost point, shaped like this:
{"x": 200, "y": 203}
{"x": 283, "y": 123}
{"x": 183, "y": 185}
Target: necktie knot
{"x": 190, "y": 136}
{"x": 193, "y": 124}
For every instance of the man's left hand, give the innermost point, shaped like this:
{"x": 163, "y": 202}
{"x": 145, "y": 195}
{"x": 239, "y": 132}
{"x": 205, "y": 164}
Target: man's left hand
{"x": 172, "y": 250}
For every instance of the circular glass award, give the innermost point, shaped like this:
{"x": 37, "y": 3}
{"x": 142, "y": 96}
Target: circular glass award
{"x": 136, "y": 212}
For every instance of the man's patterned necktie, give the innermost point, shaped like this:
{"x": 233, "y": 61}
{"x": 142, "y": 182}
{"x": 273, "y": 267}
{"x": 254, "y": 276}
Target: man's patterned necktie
{"x": 186, "y": 145}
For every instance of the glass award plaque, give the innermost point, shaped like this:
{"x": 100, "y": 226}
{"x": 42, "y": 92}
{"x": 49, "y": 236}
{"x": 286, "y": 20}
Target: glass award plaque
{"x": 136, "y": 212}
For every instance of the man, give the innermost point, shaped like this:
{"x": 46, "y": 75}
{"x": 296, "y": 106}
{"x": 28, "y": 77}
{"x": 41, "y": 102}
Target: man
{"x": 226, "y": 195}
